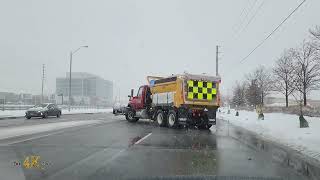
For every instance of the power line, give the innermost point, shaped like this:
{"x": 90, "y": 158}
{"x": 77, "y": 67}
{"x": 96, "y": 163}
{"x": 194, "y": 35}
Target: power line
{"x": 253, "y": 16}
{"x": 248, "y": 12}
{"x": 244, "y": 10}
{"x": 243, "y": 20}
{"x": 264, "y": 40}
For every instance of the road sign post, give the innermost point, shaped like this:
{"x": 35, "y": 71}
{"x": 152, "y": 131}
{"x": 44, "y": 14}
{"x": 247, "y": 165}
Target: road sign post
{"x": 3, "y": 100}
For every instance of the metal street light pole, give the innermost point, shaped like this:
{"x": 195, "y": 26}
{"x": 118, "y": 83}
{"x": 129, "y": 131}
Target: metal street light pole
{"x": 71, "y": 54}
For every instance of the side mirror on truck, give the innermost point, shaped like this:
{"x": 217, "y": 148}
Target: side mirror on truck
{"x": 131, "y": 95}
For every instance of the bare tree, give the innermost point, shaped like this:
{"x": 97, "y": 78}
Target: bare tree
{"x": 239, "y": 91}
{"x": 284, "y": 73}
{"x": 263, "y": 82}
{"x": 307, "y": 69}
{"x": 252, "y": 92}
{"x": 315, "y": 32}
{"x": 315, "y": 37}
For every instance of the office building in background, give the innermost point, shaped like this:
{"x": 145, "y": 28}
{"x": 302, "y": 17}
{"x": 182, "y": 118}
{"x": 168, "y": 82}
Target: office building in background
{"x": 86, "y": 89}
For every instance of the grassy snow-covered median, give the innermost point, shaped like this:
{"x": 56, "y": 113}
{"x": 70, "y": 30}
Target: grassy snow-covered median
{"x": 281, "y": 128}
{"x": 20, "y": 113}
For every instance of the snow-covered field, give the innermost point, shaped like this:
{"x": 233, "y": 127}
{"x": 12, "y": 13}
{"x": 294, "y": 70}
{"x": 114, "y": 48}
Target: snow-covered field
{"x": 19, "y": 113}
{"x": 281, "y": 128}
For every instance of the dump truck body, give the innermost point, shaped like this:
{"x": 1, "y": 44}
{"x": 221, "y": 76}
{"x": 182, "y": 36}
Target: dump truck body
{"x": 190, "y": 90}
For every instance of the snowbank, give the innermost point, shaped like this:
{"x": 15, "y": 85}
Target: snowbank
{"x": 281, "y": 128}
{"x": 20, "y": 113}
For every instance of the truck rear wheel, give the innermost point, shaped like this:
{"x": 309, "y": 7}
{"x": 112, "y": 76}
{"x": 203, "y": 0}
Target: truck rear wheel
{"x": 130, "y": 116}
{"x": 161, "y": 120}
{"x": 172, "y": 119}
{"x": 206, "y": 126}
{"x": 205, "y": 123}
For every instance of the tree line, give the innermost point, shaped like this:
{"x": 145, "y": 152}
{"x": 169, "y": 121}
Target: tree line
{"x": 296, "y": 73}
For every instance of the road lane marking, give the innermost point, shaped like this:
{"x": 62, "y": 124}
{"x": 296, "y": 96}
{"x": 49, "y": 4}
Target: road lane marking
{"x": 12, "y": 132}
{"x": 86, "y": 162}
{"x": 53, "y": 133}
{"x": 145, "y": 137}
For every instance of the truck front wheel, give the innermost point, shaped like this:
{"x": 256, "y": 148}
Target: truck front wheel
{"x": 172, "y": 119}
{"x": 161, "y": 118}
{"x": 130, "y": 116}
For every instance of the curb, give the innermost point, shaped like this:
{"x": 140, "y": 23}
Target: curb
{"x": 301, "y": 163}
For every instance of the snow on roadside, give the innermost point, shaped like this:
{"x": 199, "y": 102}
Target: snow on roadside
{"x": 12, "y": 113}
{"x": 19, "y": 113}
{"x": 77, "y": 111}
{"x": 281, "y": 128}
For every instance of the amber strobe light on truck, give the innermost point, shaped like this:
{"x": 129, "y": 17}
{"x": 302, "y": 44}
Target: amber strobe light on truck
{"x": 201, "y": 90}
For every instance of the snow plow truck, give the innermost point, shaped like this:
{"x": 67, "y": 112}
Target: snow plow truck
{"x": 177, "y": 100}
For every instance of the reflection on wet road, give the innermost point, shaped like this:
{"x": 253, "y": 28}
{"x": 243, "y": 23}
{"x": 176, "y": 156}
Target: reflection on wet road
{"x": 119, "y": 149}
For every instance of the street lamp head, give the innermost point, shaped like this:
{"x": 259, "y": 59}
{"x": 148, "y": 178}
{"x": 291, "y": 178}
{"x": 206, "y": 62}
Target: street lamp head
{"x": 85, "y": 46}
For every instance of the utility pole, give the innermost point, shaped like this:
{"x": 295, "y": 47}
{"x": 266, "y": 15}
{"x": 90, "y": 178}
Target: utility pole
{"x": 42, "y": 82}
{"x": 71, "y": 54}
{"x": 119, "y": 95}
{"x": 70, "y": 81}
{"x": 4, "y": 101}
{"x": 217, "y": 60}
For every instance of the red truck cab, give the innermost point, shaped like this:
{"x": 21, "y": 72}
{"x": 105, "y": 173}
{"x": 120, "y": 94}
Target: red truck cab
{"x": 138, "y": 102}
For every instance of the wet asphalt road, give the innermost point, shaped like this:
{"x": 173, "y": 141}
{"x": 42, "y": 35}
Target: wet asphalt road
{"x": 116, "y": 149}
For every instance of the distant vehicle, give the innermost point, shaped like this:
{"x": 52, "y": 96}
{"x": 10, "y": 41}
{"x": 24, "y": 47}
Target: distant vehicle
{"x": 118, "y": 108}
{"x": 187, "y": 99}
{"x": 43, "y": 110}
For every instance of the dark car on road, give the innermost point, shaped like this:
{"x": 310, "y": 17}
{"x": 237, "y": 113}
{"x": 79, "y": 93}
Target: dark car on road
{"x": 43, "y": 110}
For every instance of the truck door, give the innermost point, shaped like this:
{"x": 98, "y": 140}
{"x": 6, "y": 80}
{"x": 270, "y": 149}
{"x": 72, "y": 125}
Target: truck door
{"x": 140, "y": 98}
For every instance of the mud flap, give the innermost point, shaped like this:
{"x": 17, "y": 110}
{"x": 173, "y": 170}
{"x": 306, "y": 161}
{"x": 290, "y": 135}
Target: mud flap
{"x": 211, "y": 114}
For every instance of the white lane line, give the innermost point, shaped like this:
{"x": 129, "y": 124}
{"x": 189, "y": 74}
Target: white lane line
{"x": 53, "y": 133}
{"x": 28, "y": 139}
{"x": 145, "y": 137}
{"x": 86, "y": 161}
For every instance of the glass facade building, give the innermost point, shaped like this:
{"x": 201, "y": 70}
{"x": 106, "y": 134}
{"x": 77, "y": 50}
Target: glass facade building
{"x": 84, "y": 86}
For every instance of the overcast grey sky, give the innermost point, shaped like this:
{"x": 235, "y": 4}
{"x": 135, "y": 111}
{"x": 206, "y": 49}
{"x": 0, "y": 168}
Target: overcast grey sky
{"x": 129, "y": 40}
